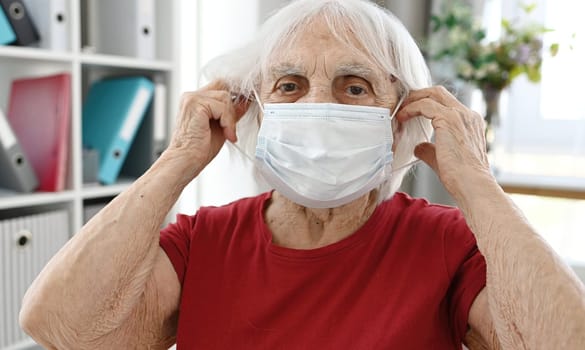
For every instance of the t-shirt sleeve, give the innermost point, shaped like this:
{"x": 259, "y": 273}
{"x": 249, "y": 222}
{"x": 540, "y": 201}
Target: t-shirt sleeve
{"x": 467, "y": 270}
{"x": 175, "y": 240}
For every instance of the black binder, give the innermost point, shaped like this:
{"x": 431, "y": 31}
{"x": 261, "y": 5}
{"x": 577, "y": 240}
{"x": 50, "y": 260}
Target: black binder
{"x": 16, "y": 172}
{"x": 19, "y": 19}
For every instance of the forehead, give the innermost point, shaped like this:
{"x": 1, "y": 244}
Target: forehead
{"x": 314, "y": 41}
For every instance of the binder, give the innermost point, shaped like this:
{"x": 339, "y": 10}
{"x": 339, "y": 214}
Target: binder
{"x": 112, "y": 113}
{"x": 40, "y": 115}
{"x": 7, "y": 35}
{"x": 90, "y": 165}
{"x": 151, "y": 137}
{"x": 22, "y": 25}
{"x": 125, "y": 28}
{"x": 16, "y": 173}
{"x": 27, "y": 243}
{"x": 52, "y": 20}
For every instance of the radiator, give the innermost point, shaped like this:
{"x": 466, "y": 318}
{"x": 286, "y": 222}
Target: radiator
{"x": 26, "y": 245}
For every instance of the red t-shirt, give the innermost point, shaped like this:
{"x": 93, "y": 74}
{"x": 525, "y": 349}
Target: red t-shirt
{"x": 405, "y": 280}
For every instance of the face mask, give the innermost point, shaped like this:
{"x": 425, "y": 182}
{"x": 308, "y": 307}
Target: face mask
{"x": 324, "y": 155}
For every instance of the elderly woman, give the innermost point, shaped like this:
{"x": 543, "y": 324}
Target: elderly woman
{"x": 335, "y": 99}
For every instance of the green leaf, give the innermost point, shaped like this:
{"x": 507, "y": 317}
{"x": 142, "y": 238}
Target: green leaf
{"x": 436, "y": 23}
{"x": 451, "y": 21}
{"x": 515, "y": 72}
{"x": 478, "y": 35}
{"x": 533, "y": 73}
{"x": 554, "y": 49}
{"x": 528, "y": 8}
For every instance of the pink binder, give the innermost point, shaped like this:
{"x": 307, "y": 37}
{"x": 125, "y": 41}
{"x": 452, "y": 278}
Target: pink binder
{"x": 40, "y": 112}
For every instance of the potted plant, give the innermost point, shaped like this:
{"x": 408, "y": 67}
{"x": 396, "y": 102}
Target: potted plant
{"x": 459, "y": 41}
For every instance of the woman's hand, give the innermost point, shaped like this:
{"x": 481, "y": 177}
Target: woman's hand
{"x": 207, "y": 118}
{"x": 458, "y": 155}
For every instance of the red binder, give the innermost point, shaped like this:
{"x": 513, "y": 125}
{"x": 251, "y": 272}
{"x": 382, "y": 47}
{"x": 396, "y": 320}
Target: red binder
{"x": 40, "y": 112}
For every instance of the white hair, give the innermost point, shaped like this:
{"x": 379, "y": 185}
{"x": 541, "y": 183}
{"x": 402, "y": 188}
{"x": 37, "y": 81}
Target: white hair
{"x": 358, "y": 23}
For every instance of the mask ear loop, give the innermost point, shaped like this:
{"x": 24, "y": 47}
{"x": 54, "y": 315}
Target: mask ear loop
{"x": 398, "y": 105}
{"x": 258, "y": 100}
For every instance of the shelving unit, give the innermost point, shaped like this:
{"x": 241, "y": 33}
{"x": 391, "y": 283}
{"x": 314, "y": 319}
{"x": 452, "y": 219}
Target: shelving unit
{"x": 86, "y": 66}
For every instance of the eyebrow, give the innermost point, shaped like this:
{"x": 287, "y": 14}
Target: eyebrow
{"x": 357, "y": 69}
{"x": 344, "y": 69}
{"x": 285, "y": 69}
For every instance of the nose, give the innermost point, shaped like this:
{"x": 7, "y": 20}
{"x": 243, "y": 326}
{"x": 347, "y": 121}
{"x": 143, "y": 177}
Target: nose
{"x": 318, "y": 94}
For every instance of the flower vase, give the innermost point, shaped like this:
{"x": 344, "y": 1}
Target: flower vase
{"x": 491, "y": 98}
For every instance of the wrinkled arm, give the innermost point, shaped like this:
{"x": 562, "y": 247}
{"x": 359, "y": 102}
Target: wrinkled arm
{"x": 111, "y": 286}
{"x": 533, "y": 299}
{"x": 103, "y": 289}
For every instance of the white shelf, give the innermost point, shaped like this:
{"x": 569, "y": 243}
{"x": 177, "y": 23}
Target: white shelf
{"x": 84, "y": 68}
{"x": 34, "y": 54}
{"x": 125, "y": 62}
{"x": 92, "y": 191}
{"x": 28, "y": 344}
{"x": 11, "y": 200}
{"x": 554, "y": 182}
{"x": 552, "y": 186}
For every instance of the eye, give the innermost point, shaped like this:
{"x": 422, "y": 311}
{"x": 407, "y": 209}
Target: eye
{"x": 356, "y": 90}
{"x": 353, "y": 88}
{"x": 288, "y": 87}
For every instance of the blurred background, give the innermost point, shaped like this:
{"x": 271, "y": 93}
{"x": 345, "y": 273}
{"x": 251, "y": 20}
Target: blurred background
{"x": 518, "y": 64}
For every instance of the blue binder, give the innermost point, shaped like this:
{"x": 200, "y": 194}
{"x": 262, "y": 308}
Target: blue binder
{"x": 7, "y": 35}
{"x": 112, "y": 113}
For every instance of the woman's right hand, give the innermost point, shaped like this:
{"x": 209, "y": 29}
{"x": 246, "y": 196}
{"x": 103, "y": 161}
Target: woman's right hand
{"x": 207, "y": 118}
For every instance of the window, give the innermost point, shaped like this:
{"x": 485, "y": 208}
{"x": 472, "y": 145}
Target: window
{"x": 559, "y": 221}
{"x": 542, "y": 131}
{"x": 541, "y": 139}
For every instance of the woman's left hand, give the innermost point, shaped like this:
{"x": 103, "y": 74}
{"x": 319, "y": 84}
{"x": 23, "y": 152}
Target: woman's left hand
{"x": 458, "y": 155}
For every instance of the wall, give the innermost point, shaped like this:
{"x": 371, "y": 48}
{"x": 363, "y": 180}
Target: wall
{"x": 213, "y": 27}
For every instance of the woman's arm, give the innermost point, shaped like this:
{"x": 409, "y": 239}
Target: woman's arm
{"x": 534, "y": 300}
{"x": 111, "y": 284}
{"x": 92, "y": 286}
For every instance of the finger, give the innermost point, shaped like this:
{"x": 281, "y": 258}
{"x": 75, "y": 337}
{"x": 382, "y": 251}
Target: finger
{"x": 216, "y": 85}
{"x": 222, "y": 109}
{"x": 222, "y": 96}
{"x": 240, "y": 105}
{"x": 193, "y": 98}
{"x": 220, "y": 90}
{"x": 224, "y": 113}
{"x": 236, "y": 110}
{"x": 228, "y": 123}
{"x": 220, "y": 106}
{"x": 426, "y": 107}
{"x": 437, "y": 93}
{"x": 426, "y": 152}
